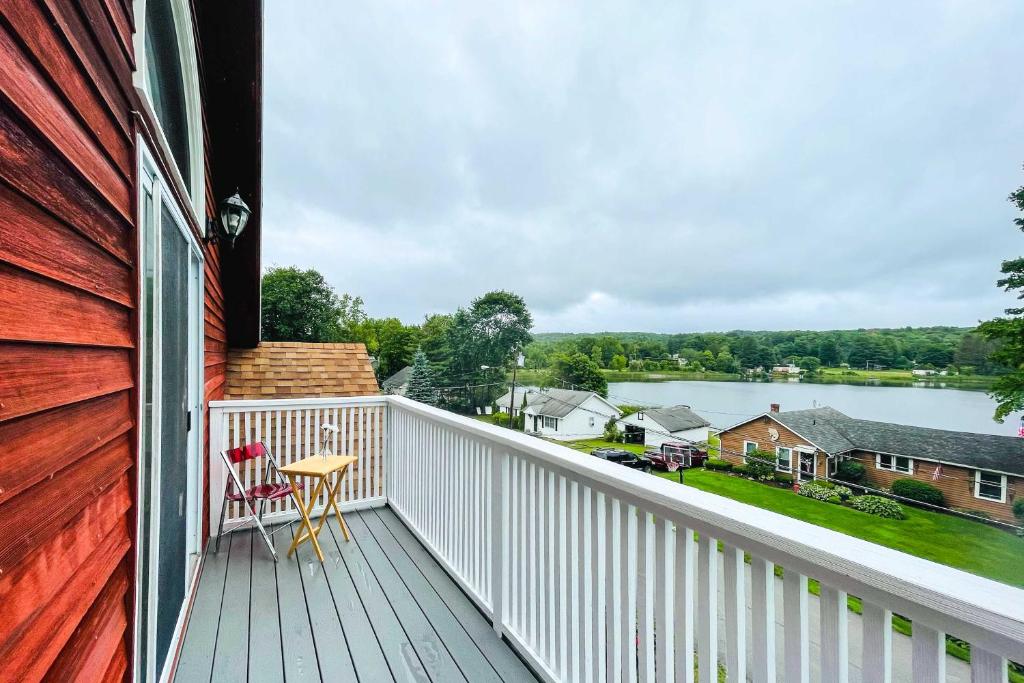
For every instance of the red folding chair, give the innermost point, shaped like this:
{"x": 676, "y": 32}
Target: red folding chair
{"x": 235, "y": 491}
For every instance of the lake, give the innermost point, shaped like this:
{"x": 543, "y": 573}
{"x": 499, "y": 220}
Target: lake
{"x": 726, "y": 403}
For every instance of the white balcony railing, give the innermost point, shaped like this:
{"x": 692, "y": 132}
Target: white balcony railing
{"x": 595, "y": 572}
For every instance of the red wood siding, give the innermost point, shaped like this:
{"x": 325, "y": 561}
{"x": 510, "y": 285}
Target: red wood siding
{"x": 68, "y": 337}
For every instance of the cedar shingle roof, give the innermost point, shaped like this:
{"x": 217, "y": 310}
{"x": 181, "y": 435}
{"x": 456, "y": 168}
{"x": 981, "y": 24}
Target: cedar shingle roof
{"x": 299, "y": 370}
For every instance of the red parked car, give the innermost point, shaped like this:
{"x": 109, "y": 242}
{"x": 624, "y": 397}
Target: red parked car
{"x": 674, "y": 454}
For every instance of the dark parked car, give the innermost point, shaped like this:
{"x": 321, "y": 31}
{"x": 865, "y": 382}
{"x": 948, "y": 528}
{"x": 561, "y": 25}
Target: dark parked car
{"x": 622, "y": 457}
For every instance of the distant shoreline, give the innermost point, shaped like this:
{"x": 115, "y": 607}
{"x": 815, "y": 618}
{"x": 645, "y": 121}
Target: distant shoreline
{"x": 886, "y": 378}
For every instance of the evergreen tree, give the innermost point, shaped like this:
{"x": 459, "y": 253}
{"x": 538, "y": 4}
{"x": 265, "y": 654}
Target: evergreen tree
{"x": 421, "y": 381}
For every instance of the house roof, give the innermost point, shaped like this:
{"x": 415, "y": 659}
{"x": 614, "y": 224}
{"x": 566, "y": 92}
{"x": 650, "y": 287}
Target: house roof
{"x": 835, "y": 432}
{"x": 560, "y": 402}
{"x": 677, "y": 418}
{"x": 529, "y": 393}
{"x": 398, "y": 379}
{"x": 299, "y": 370}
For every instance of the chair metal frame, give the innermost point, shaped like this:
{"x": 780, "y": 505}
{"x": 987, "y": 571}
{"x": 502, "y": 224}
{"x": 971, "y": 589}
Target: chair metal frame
{"x": 257, "y": 514}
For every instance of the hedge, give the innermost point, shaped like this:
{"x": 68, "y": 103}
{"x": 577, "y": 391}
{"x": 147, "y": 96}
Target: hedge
{"x": 918, "y": 490}
{"x": 717, "y": 464}
{"x": 878, "y": 506}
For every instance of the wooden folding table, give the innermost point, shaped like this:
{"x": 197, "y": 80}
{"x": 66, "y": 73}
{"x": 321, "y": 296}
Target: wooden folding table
{"x": 320, "y": 468}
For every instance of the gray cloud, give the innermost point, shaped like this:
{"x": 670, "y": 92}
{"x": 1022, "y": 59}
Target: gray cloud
{"x": 687, "y": 166}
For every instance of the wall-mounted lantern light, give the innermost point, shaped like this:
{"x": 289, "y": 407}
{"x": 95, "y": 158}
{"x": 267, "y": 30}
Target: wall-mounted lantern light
{"x": 234, "y": 214}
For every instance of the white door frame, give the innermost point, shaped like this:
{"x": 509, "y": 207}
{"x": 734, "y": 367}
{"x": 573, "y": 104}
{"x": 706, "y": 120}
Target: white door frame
{"x": 152, "y": 182}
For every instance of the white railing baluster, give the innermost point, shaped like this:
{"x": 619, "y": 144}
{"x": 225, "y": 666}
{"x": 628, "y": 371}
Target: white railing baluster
{"x": 562, "y": 575}
{"x": 685, "y": 585}
{"x": 876, "y": 644}
{"x": 586, "y": 596}
{"x": 834, "y": 640}
{"x": 664, "y": 595}
{"x": 629, "y": 561}
{"x": 762, "y": 611}
{"x": 707, "y": 609}
{"x": 645, "y": 574}
{"x": 987, "y": 667}
{"x": 613, "y": 590}
{"x": 598, "y": 569}
{"x": 929, "y": 654}
{"x": 735, "y": 613}
{"x": 572, "y": 577}
{"x": 798, "y": 657}
{"x": 551, "y": 523}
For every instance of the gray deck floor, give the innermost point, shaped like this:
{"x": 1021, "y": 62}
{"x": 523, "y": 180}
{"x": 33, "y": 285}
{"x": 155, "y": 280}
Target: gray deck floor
{"x": 380, "y": 608}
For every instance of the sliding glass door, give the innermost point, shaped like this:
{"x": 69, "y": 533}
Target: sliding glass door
{"x": 170, "y": 362}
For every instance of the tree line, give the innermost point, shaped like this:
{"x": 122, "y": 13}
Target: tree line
{"x": 731, "y": 352}
{"x": 459, "y": 358}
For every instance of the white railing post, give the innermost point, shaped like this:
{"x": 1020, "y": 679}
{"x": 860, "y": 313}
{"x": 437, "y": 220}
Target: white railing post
{"x": 499, "y": 538}
{"x": 216, "y": 468}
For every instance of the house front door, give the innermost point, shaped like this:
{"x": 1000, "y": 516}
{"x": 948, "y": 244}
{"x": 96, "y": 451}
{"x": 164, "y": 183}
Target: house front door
{"x": 808, "y": 466}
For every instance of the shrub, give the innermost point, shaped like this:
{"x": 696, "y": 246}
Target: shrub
{"x": 760, "y": 465}
{"x": 1018, "y": 509}
{"x": 820, "y": 490}
{"x": 878, "y": 506}
{"x": 717, "y": 464}
{"x": 741, "y": 470}
{"x": 918, "y": 490}
{"x": 838, "y": 489}
{"x": 850, "y": 471}
{"x": 784, "y": 478}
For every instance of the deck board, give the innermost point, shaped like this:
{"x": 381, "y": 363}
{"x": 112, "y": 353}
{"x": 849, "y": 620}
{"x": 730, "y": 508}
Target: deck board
{"x": 297, "y": 651}
{"x": 380, "y": 608}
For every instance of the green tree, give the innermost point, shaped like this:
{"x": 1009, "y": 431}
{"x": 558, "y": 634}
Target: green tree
{"x": 975, "y": 352}
{"x": 421, "y": 381}
{"x": 618, "y": 362}
{"x": 299, "y": 305}
{"x": 490, "y": 332}
{"x": 1008, "y": 332}
{"x": 809, "y": 363}
{"x": 396, "y": 345}
{"x": 578, "y": 370}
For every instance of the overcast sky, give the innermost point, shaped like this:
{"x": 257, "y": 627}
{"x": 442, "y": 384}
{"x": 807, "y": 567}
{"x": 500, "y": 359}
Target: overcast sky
{"x": 687, "y": 166}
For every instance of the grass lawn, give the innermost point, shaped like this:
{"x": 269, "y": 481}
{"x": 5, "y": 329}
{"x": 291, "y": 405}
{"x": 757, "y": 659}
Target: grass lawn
{"x": 949, "y": 540}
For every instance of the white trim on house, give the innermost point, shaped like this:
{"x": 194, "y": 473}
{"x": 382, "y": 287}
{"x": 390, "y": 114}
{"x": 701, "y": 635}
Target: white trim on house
{"x": 893, "y": 465}
{"x": 978, "y": 483}
{"x": 182, "y": 13}
{"x": 746, "y": 450}
{"x": 778, "y": 466}
{"x": 776, "y": 421}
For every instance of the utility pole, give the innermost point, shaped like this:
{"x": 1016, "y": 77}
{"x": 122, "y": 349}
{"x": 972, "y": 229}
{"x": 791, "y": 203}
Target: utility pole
{"x": 520, "y": 360}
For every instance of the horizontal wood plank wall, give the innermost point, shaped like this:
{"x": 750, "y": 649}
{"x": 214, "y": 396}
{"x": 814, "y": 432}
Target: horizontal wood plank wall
{"x": 67, "y": 339}
{"x": 956, "y": 484}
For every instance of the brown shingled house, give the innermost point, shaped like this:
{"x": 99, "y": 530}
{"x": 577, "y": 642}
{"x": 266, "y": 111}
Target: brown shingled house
{"x": 299, "y": 370}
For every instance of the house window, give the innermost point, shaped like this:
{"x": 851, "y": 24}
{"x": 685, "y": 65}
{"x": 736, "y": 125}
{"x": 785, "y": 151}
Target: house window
{"x": 894, "y": 463}
{"x": 550, "y": 422}
{"x": 640, "y": 415}
{"x": 169, "y": 76}
{"x": 783, "y": 459}
{"x": 748, "y": 448}
{"x": 990, "y": 486}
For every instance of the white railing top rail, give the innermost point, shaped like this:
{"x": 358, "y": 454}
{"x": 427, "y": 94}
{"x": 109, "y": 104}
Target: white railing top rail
{"x": 985, "y": 612}
{"x": 280, "y": 403}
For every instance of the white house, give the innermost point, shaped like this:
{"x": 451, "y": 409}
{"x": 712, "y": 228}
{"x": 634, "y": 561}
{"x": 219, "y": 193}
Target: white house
{"x": 566, "y": 415}
{"x": 653, "y": 426}
{"x": 786, "y": 370}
